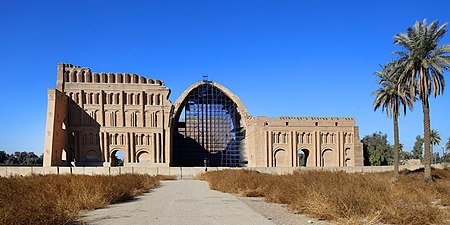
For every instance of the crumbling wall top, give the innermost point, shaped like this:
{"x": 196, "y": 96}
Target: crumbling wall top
{"x": 77, "y": 74}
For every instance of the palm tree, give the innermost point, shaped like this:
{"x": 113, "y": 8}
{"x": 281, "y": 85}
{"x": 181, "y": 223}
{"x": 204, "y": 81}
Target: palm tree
{"x": 435, "y": 139}
{"x": 447, "y": 145}
{"x": 392, "y": 99}
{"x": 447, "y": 149}
{"x": 423, "y": 63}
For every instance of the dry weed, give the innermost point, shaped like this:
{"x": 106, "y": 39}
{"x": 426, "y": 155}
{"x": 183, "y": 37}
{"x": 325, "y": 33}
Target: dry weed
{"x": 57, "y": 199}
{"x": 346, "y": 198}
{"x": 166, "y": 177}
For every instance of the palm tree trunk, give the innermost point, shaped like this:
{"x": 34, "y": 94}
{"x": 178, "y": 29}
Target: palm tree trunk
{"x": 396, "y": 146}
{"x": 426, "y": 127}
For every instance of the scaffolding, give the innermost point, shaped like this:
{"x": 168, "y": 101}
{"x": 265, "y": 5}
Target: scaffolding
{"x": 208, "y": 130}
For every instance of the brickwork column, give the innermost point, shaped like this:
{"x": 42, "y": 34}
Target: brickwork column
{"x": 154, "y": 148}
{"x": 292, "y": 148}
{"x": 122, "y": 109}
{"x": 102, "y": 103}
{"x": 271, "y": 149}
{"x": 158, "y": 147}
{"x": 142, "y": 108}
{"x": 132, "y": 147}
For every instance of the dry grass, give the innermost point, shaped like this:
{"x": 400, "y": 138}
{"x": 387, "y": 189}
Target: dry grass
{"x": 57, "y": 199}
{"x": 166, "y": 177}
{"x": 346, "y": 198}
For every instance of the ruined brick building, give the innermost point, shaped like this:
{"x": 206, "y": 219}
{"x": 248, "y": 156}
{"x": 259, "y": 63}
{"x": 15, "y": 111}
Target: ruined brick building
{"x": 92, "y": 116}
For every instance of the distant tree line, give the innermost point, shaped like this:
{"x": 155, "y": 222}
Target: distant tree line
{"x": 21, "y": 158}
{"x": 378, "y": 152}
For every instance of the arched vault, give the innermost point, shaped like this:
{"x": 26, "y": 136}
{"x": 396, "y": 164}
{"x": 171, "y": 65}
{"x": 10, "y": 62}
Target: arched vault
{"x": 208, "y": 125}
{"x": 178, "y": 107}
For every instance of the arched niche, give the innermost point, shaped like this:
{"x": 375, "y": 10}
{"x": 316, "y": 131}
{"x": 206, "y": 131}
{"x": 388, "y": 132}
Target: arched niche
{"x": 143, "y": 156}
{"x": 327, "y": 159}
{"x": 280, "y": 158}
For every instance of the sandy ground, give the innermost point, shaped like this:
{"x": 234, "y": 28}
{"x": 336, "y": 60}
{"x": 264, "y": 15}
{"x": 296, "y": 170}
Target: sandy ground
{"x": 192, "y": 202}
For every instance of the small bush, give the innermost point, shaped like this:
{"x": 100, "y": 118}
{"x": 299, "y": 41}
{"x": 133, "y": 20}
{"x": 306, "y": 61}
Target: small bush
{"x": 346, "y": 198}
{"x": 57, "y": 199}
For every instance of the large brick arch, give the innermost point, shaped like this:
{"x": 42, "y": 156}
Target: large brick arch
{"x": 179, "y": 105}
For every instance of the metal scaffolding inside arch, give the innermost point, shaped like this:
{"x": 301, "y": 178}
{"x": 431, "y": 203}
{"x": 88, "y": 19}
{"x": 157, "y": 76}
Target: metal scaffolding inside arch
{"x": 208, "y": 129}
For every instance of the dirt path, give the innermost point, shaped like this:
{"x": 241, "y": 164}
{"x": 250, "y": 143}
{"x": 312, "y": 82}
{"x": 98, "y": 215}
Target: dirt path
{"x": 192, "y": 202}
{"x": 179, "y": 202}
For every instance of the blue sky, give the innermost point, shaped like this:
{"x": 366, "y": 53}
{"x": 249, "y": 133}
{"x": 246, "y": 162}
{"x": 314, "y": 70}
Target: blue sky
{"x": 282, "y": 58}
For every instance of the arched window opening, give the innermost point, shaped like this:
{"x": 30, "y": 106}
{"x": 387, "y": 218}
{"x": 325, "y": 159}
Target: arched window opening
{"x": 155, "y": 122}
{"x": 104, "y": 78}
{"x": 112, "y": 78}
{"x": 157, "y": 99}
{"x": 119, "y": 78}
{"x": 124, "y": 98}
{"x": 117, "y": 158}
{"x": 150, "y": 99}
{"x": 77, "y": 97}
{"x": 110, "y": 98}
{"x": 96, "y": 78}
{"x": 144, "y": 98}
{"x": 130, "y": 99}
{"x": 149, "y": 139}
{"x": 117, "y": 98}
{"x": 67, "y": 76}
{"x": 74, "y": 76}
{"x": 141, "y": 139}
{"x": 138, "y": 98}
{"x": 302, "y": 157}
{"x": 88, "y": 77}
{"x": 82, "y": 76}
{"x": 91, "y": 97}
{"x": 64, "y": 155}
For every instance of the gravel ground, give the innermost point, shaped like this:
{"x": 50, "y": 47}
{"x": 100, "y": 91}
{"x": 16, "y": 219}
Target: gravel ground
{"x": 279, "y": 213}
